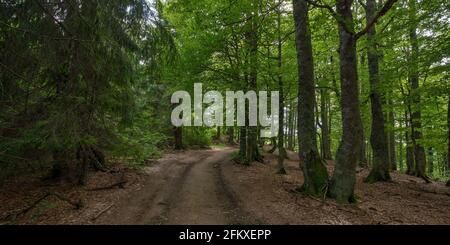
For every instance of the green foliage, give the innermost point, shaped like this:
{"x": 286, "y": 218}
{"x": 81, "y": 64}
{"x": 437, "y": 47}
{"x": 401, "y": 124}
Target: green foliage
{"x": 197, "y": 136}
{"x": 79, "y": 73}
{"x": 101, "y": 73}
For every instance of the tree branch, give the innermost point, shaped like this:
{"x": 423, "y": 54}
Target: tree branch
{"x": 388, "y": 5}
{"x": 362, "y": 4}
{"x": 14, "y": 73}
{"x": 62, "y": 25}
{"x": 332, "y": 12}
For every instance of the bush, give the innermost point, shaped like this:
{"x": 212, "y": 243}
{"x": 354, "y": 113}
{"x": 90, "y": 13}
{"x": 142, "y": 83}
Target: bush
{"x": 197, "y": 136}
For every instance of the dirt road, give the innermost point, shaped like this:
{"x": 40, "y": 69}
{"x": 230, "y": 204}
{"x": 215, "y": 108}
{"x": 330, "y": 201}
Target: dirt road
{"x": 182, "y": 188}
{"x": 207, "y": 187}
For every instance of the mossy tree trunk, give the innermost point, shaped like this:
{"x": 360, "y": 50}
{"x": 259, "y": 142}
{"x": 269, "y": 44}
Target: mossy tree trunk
{"x": 314, "y": 171}
{"x": 378, "y": 137}
{"x": 416, "y": 114}
{"x": 251, "y": 36}
{"x": 348, "y": 154}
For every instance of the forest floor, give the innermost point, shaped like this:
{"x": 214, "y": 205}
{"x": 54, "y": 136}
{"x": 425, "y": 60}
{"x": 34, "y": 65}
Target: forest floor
{"x": 207, "y": 187}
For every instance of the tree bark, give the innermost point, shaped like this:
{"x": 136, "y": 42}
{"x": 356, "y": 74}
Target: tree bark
{"x": 400, "y": 149}
{"x": 178, "y": 135}
{"x": 378, "y": 137}
{"x": 325, "y": 128}
{"x": 430, "y": 161}
{"x": 362, "y": 160}
{"x": 281, "y": 150}
{"x": 290, "y": 145}
{"x": 242, "y": 143}
{"x": 314, "y": 171}
{"x": 344, "y": 176}
{"x": 409, "y": 145}
{"x": 416, "y": 114}
{"x": 230, "y": 135}
{"x": 251, "y": 34}
{"x": 448, "y": 138}
{"x": 391, "y": 137}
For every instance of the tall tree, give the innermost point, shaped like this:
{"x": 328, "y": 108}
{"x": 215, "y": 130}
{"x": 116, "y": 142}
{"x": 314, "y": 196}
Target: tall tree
{"x": 281, "y": 125}
{"x": 348, "y": 153}
{"x": 378, "y": 136}
{"x": 416, "y": 114}
{"x": 252, "y": 40}
{"x": 314, "y": 171}
{"x": 344, "y": 176}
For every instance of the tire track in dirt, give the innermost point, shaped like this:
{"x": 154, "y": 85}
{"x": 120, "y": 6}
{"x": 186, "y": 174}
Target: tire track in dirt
{"x": 204, "y": 197}
{"x": 145, "y": 205}
{"x": 184, "y": 188}
{"x": 237, "y": 215}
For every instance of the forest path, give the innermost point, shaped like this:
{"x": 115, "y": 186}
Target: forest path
{"x": 206, "y": 187}
{"x": 183, "y": 188}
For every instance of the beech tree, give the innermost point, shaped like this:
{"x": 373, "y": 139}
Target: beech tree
{"x": 314, "y": 172}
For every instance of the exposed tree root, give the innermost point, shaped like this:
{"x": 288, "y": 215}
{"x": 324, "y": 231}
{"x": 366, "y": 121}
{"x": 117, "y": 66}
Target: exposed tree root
{"x": 89, "y": 156}
{"x": 102, "y": 212}
{"x": 76, "y": 204}
{"x": 281, "y": 171}
{"x": 120, "y": 184}
{"x": 428, "y": 191}
{"x": 377, "y": 175}
{"x": 424, "y": 177}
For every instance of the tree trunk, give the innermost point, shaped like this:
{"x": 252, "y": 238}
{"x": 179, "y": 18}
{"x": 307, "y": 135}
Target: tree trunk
{"x": 362, "y": 160}
{"x": 314, "y": 171}
{"x": 89, "y": 156}
{"x": 391, "y": 137}
{"x": 416, "y": 114}
{"x": 291, "y": 128}
{"x": 281, "y": 150}
{"x": 242, "y": 143}
{"x": 273, "y": 142}
{"x": 430, "y": 162}
{"x": 347, "y": 156}
{"x": 178, "y": 135}
{"x": 410, "y": 169}
{"x": 230, "y": 135}
{"x": 218, "y": 134}
{"x": 335, "y": 85}
{"x": 378, "y": 137}
{"x": 448, "y": 138}
{"x": 400, "y": 149}
{"x": 326, "y": 140}
{"x": 252, "y": 42}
